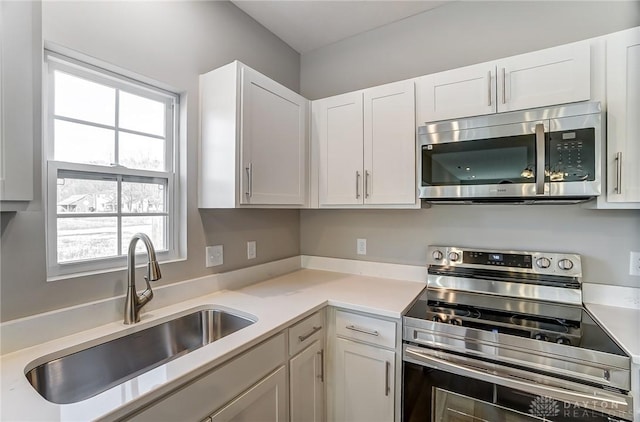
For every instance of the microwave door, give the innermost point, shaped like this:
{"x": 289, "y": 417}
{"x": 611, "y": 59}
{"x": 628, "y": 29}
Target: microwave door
{"x": 483, "y": 163}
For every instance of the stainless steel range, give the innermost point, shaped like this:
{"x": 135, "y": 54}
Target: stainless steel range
{"x": 503, "y": 336}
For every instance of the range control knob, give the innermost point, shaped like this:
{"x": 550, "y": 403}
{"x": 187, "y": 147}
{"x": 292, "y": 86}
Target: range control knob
{"x": 541, "y": 336}
{"x": 436, "y": 318}
{"x": 455, "y": 321}
{"x": 454, "y": 256}
{"x": 543, "y": 262}
{"x": 437, "y": 255}
{"x": 563, "y": 340}
{"x": 565, "y": 264}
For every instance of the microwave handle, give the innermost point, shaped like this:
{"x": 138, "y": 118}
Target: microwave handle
{"x": 540, "y": 157}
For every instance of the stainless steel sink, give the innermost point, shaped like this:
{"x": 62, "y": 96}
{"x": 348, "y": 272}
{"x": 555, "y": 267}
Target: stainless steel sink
{"x": 83, "y": 374}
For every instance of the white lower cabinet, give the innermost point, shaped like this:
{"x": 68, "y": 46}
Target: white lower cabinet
{"x": 364, "y": 382}
{"x": 306, "y": 369}
{"x": 363, "y": 358}
{"x": 253, "y": 383}
{"x": 265, "y": 401}
{"x": 306, "y": 375}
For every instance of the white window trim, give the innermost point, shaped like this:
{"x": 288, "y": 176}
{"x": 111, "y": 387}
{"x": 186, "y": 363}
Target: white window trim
{"x": 54, "y": 61}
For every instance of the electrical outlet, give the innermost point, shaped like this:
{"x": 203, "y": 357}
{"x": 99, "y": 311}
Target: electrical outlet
{"x": 634, "y": 263}
{"x": 215, "y": 255}
{"x": 361, "y": 247}
{"x": 251, "y": 249}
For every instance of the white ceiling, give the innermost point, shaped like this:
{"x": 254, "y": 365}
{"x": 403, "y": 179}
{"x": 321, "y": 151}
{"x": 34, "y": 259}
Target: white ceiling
{"x": 309, "y": 24}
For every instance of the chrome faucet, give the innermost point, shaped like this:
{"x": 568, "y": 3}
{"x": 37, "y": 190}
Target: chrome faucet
{"x": 134, "y": 301}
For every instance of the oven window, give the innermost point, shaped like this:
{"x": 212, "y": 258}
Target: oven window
{"x": 480, "y": 162}
{"x": 452, "y": 407}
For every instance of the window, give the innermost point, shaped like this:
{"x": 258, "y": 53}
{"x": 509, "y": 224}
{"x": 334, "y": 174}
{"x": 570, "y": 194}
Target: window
{"x": 111, "y": 167}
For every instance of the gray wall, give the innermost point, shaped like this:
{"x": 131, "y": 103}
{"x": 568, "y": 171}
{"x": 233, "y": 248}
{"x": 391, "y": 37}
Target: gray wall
{"x": 604, "y": 238}
{"x": 453, "y": 35}
{"x": 171, "y": 42}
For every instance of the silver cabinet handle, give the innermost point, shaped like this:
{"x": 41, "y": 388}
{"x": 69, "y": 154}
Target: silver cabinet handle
{"x": 387, "y": 385}
{"x": 366, "y": 183}
{"x": 504, "y": 86}
{"x": 321, "y": 376}
{"x": 249, "y": 170}
{"x": 362, "y": 330}
{"x": 309, "y": 334}
{"x": 540, "y": 154}
{"x": 357, "y": 184}
{"x": 618, "y": 188}
{"x": 489, "y": 88}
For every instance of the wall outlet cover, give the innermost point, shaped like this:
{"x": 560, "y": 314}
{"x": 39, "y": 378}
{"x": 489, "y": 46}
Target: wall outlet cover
{"x": 214, "y": 255}
{"x": 361, "y": 247}
{"x": 251, "y": 249}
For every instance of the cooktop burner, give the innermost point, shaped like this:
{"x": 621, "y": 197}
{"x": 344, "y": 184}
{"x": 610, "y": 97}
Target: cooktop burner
{"x": 530, "y": 295}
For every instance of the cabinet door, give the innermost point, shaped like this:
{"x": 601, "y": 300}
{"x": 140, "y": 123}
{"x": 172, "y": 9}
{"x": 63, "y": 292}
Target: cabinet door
{"x": 266, "y": 402}
{"x": 555, "y": 75}
{"x": 340, "y": 137}
{"x": 467, "y": 91}
{"x": 307, "y": 384}
{"x": 20, "y": 55}
{"x": 364, "y": 382}
{"x": 274, "y": 142}
{"x": 623, "y": 111}
{"x": 390, "y": 144}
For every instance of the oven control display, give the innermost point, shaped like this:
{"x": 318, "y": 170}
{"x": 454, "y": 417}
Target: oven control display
{"x": 497, "y": 259}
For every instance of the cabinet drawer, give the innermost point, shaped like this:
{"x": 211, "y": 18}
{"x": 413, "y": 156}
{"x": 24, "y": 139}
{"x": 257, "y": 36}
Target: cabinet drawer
{"x": 306, "y": 332}
{"x": 367, "y": 329}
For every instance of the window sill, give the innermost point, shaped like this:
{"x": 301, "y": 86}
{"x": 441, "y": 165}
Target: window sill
{"x": 107, "y": 270}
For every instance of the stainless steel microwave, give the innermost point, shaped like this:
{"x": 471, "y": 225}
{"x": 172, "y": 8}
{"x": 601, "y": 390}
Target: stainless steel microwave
{"x": 537, "y": 155}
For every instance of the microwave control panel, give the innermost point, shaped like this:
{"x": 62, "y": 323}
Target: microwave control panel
{"x": 571, "y": 155}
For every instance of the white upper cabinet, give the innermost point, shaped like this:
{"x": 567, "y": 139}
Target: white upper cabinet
{"x": 366, "y": 143}
{"x": 254, "y": 141}
{"x": 389, "y": 144}
{"x": 467, "y": 91}
{"x": 19, "y": 58}
{"x": 340, "y": 140}
{"x": 555, "y": 75}
{"x": 623, "y": 117}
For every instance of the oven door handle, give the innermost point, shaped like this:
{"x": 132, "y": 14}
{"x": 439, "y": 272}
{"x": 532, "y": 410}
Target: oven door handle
{"x": 605, "y": 402}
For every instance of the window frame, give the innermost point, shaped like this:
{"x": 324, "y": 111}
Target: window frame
{"x": 57, "y": 62}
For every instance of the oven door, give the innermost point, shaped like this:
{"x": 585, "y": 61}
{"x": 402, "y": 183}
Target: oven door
{"x": 441, "y": 387}
{"x": 496, "y": 161}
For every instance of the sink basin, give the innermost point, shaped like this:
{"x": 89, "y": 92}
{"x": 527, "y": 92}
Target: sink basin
{"x": 83, "y": 374}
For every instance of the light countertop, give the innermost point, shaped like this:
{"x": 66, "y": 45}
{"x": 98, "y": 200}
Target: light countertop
{"x": 275, "y": 303}
{"x": 623, "y": 324}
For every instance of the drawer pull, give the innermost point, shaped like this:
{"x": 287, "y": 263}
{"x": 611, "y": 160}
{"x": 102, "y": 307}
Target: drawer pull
{"x": 362, "y": 330}
{"x": 309, "y": 334}
{"x": 321, "y": 376}
{"x": 387, "y": 385}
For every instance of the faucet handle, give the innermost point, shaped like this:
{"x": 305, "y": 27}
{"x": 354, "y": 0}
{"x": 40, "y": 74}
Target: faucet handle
{"x": 145, "y": 296}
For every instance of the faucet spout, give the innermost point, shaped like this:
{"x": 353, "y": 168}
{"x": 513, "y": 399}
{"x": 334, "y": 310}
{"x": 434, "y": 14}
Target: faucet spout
{"x": 134, "y": 301}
